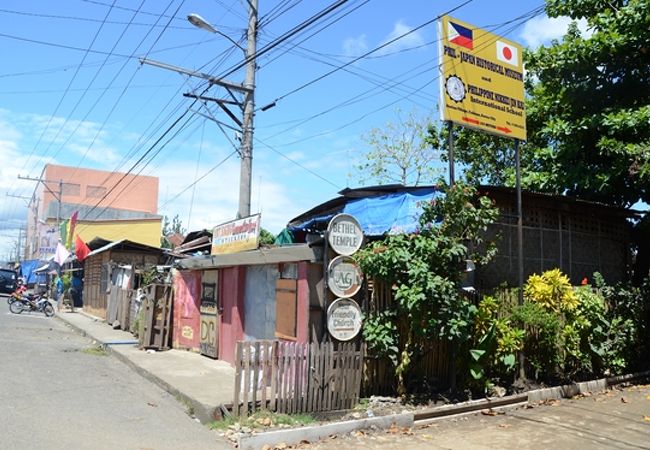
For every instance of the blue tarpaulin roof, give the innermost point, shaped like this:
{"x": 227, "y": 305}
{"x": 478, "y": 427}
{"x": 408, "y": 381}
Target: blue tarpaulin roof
{"x": 391, "y": 213}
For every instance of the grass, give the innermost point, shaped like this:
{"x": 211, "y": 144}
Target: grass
{"x": 263, "y": 420}
{"x": 95, "y": 351}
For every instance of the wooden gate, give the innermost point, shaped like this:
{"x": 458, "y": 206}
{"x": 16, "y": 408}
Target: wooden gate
{"x": 288, "y": 377}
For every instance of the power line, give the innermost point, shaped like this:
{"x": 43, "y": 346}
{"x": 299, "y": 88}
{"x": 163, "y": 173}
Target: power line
{"x": 376, "y": 49}
{"x": 56, "y": 109}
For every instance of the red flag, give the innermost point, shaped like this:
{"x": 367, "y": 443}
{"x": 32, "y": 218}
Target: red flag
{"x": 81, "y": 250}
{"x": 73, "y": 223}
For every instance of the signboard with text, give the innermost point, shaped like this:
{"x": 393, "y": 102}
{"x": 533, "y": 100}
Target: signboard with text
{"x": 344, "y": 319}
{"x": 344, "y": 234}
{"x": 482, "y": 81}
{"x": 236, "y": 236}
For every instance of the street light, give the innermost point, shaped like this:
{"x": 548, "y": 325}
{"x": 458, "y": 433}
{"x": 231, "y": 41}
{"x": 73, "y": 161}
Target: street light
{"x": 200, "y": 22}
{"x": 248, "y": 108}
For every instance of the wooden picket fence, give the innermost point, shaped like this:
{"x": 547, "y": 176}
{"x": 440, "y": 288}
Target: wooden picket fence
{"x": 288, "y": 377}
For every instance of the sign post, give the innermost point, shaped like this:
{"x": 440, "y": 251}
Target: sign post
{"x": 482, "y": 87}
{"x": 344, "y": 277}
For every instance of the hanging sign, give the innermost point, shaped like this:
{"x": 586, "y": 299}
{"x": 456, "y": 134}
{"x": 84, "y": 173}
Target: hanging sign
{"x": 481, "y": 80}
{"x": 344, "y": 319}
{"x": 344, "y": 277}
{"x": 344, "y": 234}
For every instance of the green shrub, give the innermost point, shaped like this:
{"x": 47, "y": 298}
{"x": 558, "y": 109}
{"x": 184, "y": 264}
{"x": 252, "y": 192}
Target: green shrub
{"x": 542, "y": 340}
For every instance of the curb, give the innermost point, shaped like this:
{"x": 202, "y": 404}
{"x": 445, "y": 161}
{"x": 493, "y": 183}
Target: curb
{"x": 296, "y": 435}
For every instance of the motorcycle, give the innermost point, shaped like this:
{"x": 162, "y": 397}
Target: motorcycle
{"x": 26, "y": 303}
{"x": 20, "y": 291}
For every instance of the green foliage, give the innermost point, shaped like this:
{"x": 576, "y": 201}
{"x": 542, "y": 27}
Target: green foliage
{"x": 552, "y": 290}
{"x": 401, "y": 153}
{"x": 266, "y": 237}
{"x": 541, "y": 343}
{"x": 380, "y": 332}
{"x": 493, "y": 346}
{"x": 262, "y": 420}
{"x": 425, "y": 270}
{"x": 169, "y": 228}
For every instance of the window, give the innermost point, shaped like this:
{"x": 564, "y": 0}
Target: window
{"x": 95, "y": 191}
{"x": 71, "y": 189}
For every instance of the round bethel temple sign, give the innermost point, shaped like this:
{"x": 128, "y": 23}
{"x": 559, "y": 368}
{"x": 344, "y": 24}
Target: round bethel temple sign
{"x": 344, "y": 319}
{"x": 344, "y": 234}
{"x": 344, "y": 277}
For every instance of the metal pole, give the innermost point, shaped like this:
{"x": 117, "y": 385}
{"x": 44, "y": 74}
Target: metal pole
{"x": 247, "y": 125}
{"x": 520, "y": 227}
{"x": 450, "y": 140}
{"x": 58, "y": 209}
{"x": 520, "y": 249}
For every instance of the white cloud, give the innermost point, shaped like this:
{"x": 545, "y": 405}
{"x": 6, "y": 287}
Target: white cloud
{"x": 541, "y": 30}
{"x": 414, "y": 39}
{"x": 355, "y": 46}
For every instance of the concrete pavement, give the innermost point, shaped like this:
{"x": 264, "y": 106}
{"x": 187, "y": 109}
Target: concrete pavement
{"x": 203, "y": 384}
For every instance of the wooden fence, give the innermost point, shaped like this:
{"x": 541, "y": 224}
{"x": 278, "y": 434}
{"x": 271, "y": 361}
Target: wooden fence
{"x": 287, "y": 377}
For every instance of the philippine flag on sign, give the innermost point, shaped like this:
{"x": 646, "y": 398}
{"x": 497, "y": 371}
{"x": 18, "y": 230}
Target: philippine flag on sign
{"x": 507, "y": 53}
{"x": 460, "y": 35}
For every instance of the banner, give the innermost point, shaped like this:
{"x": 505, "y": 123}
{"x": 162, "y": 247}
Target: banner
{"x": 71, "y": 227}
{"x": 48, "y": 237}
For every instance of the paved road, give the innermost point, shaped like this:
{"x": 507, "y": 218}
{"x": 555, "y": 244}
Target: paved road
{"x": 619, "y": 419}
{"x": 57, "y": 394}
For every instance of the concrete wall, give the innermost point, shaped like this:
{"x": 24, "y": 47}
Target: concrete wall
{"x": 259, "y": 301}
{"x": 140, "y": 194}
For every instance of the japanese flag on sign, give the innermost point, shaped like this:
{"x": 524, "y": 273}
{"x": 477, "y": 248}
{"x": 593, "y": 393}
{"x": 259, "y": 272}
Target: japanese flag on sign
{"x": 508, "y": 53}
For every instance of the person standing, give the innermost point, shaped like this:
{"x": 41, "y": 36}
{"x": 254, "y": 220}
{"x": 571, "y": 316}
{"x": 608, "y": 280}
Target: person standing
{"x": 59, "y": 292}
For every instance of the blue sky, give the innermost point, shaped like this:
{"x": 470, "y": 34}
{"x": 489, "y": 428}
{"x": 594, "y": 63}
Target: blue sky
{"x": 73, "y": 92}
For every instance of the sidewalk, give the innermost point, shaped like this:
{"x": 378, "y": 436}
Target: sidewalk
{"x": 203, "y": 384}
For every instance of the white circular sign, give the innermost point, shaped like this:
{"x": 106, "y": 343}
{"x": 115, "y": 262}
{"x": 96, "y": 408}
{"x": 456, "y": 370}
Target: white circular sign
{"x": 344, "y": 319}
{"x": 344, "y": 277}
{"x": 344, "y": 234}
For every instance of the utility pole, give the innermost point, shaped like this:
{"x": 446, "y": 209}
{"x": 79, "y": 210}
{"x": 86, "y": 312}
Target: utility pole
{"x": 247, "y": 89}
{"x": 249, "y": 106}
{"x": 58, "y": 196}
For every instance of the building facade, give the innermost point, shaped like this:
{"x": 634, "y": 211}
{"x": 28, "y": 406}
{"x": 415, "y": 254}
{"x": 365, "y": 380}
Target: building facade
{"x": 109, "y": 205}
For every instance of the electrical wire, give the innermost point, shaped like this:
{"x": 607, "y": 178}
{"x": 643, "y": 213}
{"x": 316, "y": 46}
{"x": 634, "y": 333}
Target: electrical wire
{"x": 56, "y": 109}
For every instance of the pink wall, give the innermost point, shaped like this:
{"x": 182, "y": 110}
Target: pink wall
{"x": 231, "y": 298}
{"x": 302, "y": 325}
{"x": 140, "y": 194}
{"x": 187, "y": 318}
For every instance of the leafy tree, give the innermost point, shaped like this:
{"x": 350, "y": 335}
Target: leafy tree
{"x": 401, "y": 153}
{"x": 425, "y": 271}
{"x": 588, "y": 110}
{"x": 266, "y": 237}
{"x": 169, "y": 228}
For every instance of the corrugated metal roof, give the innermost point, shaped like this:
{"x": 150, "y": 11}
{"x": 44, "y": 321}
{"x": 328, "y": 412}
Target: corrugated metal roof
{"x": 273, "y": 255}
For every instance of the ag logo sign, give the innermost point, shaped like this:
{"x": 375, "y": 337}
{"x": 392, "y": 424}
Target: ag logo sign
{"x": 344, "y": 277}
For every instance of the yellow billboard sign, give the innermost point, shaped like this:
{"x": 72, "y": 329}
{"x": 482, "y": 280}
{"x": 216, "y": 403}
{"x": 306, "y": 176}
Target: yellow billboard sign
{"x": 236, "y": 236}
{"x": 481, "y": 82}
